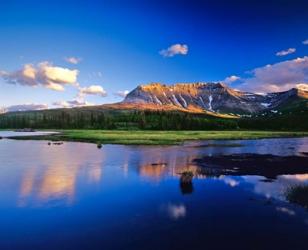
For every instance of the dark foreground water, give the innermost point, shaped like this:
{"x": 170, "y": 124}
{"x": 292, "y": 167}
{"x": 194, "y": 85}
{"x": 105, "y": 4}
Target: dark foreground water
{"x": 75, "y": 196}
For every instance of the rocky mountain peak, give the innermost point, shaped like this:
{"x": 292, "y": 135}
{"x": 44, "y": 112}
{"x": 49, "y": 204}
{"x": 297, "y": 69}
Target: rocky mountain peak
{"x": 214, "y": 97}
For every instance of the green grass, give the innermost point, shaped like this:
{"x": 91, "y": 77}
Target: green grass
{"x": 141, "y": 137}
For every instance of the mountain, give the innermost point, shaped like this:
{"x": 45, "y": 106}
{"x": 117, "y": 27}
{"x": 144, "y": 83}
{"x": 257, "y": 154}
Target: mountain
{"x": 196, "y": 106}
{"x": 216, "y": 98}
{"x": 2, "y": 111}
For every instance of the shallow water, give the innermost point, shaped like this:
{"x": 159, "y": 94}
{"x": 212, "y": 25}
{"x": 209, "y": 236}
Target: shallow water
{"x": 75, "y": 196}
{"x": 7, "y": 134}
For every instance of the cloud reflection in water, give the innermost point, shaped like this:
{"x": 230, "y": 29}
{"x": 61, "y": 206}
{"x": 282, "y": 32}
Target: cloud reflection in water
{"x": 56, "y": 174}
{"x": 174, "y": 211}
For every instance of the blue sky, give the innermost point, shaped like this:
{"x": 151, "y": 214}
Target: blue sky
{"x": 118, "y": 45}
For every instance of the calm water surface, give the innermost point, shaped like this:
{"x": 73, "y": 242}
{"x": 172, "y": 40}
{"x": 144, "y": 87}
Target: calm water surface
{"x": 16, "y": 134}
{"x": 75, "y": 196}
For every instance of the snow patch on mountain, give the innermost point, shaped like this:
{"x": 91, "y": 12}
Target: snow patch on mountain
{"x": 157, "y": 100}
{"x": 184, "y": 102}
{"x": 210, "y": 96}
{"x": 176, "y": 100}
{"x": 203, "y": 104}
{"x": 210, "y": 102}
{"x": 265, "y": 104}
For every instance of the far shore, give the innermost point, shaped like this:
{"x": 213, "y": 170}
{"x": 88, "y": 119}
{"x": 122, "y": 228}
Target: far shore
{"x": 150, "y": 137}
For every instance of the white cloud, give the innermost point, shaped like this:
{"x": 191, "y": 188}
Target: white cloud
{"x": 121, "y": 93}
{"x": 73, "y": 60}
{"x": 71, "y": 104}
{"x": 277, "y": 77}
{"x": 92, "y": 90}
{"x": 80, "y": 98}
{"x": 43, "y": 74}
{"x": 176, "y": 49}
{"x": 286, "y": 52}
{"x": 302, "y": 86}
{"x": 305, "y": 42}
{"x": 231, "y": 79}
{"x": 23, "y": 107}
{"x": 55, "y": 86}
{"x": 57, "y": 74}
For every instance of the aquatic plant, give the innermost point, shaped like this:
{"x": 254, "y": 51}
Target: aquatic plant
{"x": 186, "y": 184}
{"x": 298, "y": 194}
{"x": 57, "y": 143}
{"x": 186, "y": 176}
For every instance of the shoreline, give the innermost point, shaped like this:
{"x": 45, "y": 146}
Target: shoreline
{"x": 153, "y": 137}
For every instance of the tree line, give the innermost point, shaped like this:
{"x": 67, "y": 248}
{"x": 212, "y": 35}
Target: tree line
{"x": 102, "y": 119}
{"x": 152, "y": 120}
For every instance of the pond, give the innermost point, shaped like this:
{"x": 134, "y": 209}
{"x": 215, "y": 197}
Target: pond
{"x": 76, "y": 196}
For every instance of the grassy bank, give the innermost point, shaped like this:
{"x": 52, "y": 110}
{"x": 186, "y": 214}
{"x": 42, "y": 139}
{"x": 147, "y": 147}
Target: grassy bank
{"x": 139, "y": 137}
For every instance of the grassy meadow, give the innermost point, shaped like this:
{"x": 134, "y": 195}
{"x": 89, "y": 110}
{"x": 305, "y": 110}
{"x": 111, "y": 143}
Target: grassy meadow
{"x": 147, "y": 137}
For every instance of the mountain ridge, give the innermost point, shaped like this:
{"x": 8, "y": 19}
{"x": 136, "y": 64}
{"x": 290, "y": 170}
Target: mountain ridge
{"x": 198, "y": 106}
{"x": 212, "y": 97}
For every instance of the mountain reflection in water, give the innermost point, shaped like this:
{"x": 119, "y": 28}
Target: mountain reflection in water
{"x": 75, "y": 196}
{"x": 54, "y": 178}
{"x": 51, "y": 173}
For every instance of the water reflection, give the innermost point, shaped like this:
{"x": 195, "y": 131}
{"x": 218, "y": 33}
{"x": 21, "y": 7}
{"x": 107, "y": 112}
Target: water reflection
{"x": 49, "y": 173}
{"x": 229, "y": 181}
{"x": 286, "y": 210}
{"x": 7, "y": 134}
{"x": 118, "y": 192}
{"x": 174, "y": 211}
{"x": 269, "y": 189}
{"x": 276, "y": 146}
{"x": 58, "y": 181}
{"x": 297, "y": 177}
{"x": 26, "y": 185}
{"x": 54, "y": 172}
{"x": 95, "y": 174}
{"x": 156, "y": 170}
{"x": 186, "y": 187}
